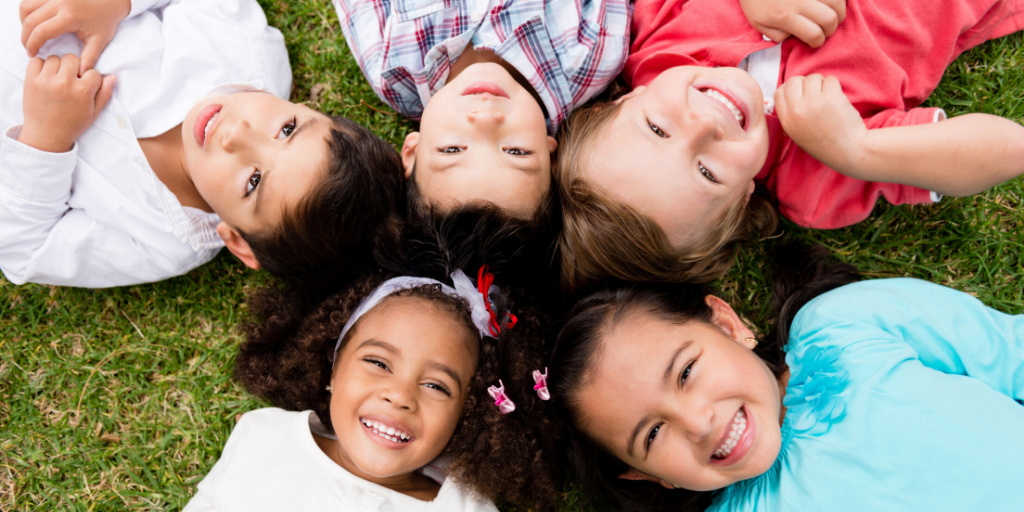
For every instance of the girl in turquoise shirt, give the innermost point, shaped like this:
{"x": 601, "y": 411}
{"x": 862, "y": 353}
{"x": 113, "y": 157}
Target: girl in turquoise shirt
{"x": 892, "y": 394}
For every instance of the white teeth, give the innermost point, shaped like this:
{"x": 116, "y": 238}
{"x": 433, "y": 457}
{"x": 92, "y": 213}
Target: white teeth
{"x": 739, "y": 426}
{"x": 390, "y": 433}
{"x": 209, "y": 124}
{"x": 728, "y": 103}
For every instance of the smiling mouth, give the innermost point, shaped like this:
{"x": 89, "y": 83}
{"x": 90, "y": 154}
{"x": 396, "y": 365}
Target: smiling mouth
{"x": 483, "y": 87}
{"x": 390, "y": 433}
{"x": 715, "y": 94}
{"x": 736, "y": 431}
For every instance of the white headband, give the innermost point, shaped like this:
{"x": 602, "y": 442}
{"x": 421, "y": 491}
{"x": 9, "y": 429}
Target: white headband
{"x": 463, "y": 288}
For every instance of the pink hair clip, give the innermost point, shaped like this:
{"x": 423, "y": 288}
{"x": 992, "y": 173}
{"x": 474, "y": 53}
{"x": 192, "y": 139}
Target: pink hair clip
{"x": 504, "y": 403}
{"x": 542, "y": 384}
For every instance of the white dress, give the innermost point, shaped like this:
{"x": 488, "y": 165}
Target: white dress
{"x": 272, "y": 462}
{"x": 98, "y": 216}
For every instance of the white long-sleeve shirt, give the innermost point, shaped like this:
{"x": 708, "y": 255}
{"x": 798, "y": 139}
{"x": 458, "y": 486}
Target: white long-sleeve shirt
{"x": 98, "y": 215}
{"x": 271, "y": 462}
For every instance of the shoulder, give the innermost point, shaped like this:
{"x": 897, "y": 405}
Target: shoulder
{"x": 861, "y": 302}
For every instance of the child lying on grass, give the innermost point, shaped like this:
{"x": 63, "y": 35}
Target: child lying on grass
{"x": 490, "y": 82}
{"x": 194, "y": 148}
{"x": 657, "y": 185}
{"x": 379, "y": 381}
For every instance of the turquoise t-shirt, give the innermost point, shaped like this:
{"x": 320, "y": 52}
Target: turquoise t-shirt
{"x": 903, "y": 396}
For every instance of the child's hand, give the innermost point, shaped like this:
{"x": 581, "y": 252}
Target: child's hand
{"x": 93, "y": 21}
{"x": 59, "y": 105}
{"x": 821, "y": 120}
{"x": 811, "y": 21}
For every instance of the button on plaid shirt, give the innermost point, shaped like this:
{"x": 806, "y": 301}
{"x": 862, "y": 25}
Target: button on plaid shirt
{"x": 569, "y": 50}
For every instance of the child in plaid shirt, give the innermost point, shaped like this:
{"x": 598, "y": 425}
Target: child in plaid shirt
{"x": 491, "y": 80}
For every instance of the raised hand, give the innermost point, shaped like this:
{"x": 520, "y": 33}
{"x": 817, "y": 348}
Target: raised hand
{"x": 93, "y": 21}
{"x": 58, "y": 105}
{"x": 821, "y": 120}
{"x": 811, "y": 21}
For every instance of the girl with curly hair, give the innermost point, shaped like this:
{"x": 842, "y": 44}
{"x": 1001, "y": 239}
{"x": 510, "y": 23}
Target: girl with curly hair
{"x": 391, "y": 400}
{"x": 887, "y": 395}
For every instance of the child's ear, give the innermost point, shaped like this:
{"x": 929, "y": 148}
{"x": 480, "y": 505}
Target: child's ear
{"x": 730, "y": 323}
{"x": 633, "y": 474}
{"x": 552, "y": 144}
{"x": 237, "y": 245}
{"x": 409, "y": 152}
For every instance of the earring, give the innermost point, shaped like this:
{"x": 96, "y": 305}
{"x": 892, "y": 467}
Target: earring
{"x": 329, "y": 389}
{"x": 674, "y": 486}
{"x": 748, "y": 338}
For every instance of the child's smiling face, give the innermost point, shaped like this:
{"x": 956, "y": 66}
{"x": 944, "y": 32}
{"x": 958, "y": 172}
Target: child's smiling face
{"x": 482, "y": 139}
{"x": 398, "y": 388}
{"x": 684, "y": 148}
{"x": 686, "y": 405}
{"x": 252, "y": 155}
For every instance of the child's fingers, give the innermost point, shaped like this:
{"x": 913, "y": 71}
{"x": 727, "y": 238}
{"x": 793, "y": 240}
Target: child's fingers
{"x": 794, "y": 90}
{"x": 832, "y": 85}
{"x": 839, "y": 6}
{"x": 812, "y": 85}
{"x": 807, "y": 31}
{"x": 105, "y": 92}
{"x": 35, "y": 66}
{"x": 51, "y": 65}
{"x": 774, "y": 34}
{"x": 91, "y": 53}
{"x": 41, "y": 33}
{"x": 781, "y": 106}
{"x": 69, "y": 65}
{"x": 823, "y": 16}
{"x": 27, "y": 7}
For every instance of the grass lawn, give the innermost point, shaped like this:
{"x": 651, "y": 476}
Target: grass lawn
{"x": 123, "y": 398}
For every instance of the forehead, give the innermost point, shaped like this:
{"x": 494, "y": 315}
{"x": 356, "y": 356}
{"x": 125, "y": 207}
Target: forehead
{"x": 421, "y": 330}
{"x": 516, "y": 186}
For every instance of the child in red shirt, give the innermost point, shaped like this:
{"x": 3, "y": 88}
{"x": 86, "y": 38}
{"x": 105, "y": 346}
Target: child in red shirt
{"x": 716, "y": 108}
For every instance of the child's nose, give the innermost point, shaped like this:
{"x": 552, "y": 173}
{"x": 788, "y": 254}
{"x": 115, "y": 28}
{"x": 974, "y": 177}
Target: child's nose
{"x": 704, "y": 126}
{"x": 698, "y": 423}
{"x": 399, "y": 396}
{"x": 485, "y": 118}
{"x": 238, "y": 136}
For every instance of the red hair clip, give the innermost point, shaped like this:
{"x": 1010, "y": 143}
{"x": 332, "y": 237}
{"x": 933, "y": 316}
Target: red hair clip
{"x": 484, "y": 280}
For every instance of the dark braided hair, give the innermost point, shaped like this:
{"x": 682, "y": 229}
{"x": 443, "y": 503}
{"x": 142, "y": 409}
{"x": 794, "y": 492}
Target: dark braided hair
{"x": 802, "y": 274}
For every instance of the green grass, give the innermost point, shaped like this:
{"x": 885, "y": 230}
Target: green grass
{"x": 123, "y": 398}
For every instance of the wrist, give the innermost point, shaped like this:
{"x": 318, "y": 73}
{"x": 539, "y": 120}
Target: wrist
{"x": 44, "y": 142}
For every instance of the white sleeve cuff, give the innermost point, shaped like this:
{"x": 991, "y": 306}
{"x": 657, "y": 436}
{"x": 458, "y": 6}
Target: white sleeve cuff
{"x": 32, "y": 173}
{"x": 935, "y": 196}
{"x": 141, "y": 6}
{"x": 940, "y": 115}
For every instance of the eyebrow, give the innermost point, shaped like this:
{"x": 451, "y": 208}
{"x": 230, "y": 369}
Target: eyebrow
{"x": 445, "y": 166}
{"x": 381, "y": 344}
{"x": 432, "y": 364}
{"x": 448, "y": 370}
{"x": 529, "y": 168}
{"x": 668, "y": 374}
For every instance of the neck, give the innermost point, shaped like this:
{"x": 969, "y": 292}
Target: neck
{"x": 165, "y": 154}
{"x": 411, "y": 484}
{"x": 472, "y": 56}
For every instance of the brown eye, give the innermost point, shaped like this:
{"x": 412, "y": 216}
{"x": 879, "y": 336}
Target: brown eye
{"x": 705, "y": 172}
{"x": 254, "y": 181}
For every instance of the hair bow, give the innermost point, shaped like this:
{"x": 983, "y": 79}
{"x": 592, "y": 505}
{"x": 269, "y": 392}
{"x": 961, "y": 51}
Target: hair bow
{"x": 542, "y": 384}
{"x": 484, "y": 284}
{"x": 504, "y": 403}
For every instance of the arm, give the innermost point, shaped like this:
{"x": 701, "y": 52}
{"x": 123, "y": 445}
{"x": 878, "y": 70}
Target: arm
{"x": 41, "y": 238}
{"x": 956, "y": 157}
{"x": 950, "y": 331}
{"x": 811, "y": 21}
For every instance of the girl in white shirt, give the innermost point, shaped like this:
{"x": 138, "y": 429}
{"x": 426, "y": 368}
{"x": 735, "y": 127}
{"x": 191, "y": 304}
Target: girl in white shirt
{"x": 412, "y": 378}
{"x": 194, "y": 148}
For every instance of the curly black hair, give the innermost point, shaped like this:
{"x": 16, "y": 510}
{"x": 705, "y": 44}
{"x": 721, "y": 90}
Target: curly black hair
{"x": 287, "y": 359}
